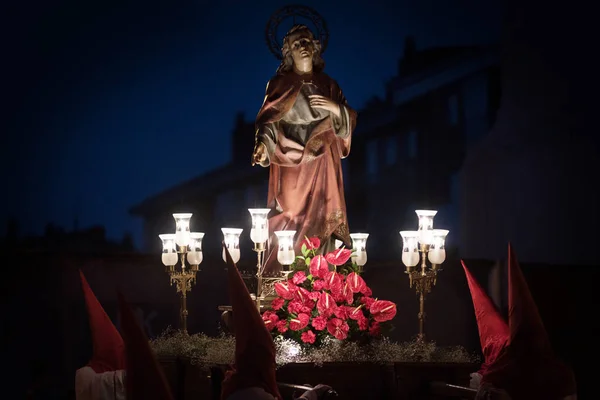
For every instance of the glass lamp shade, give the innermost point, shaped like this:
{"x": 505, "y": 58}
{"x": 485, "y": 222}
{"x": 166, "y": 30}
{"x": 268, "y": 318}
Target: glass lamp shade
{"x": 231, "y": 237}
{"x": 169, "y": 253}
{"x": 425, "y": 225}
{"x": 437, "y": 250}
{"x": 359, "y": 246}
{"x": 194, "y": 255}
{"x": 338, "y": 243}
{"x": 285, "y": 247}
{"x": 410, "y": 248}
{"x": 182, "y": 229}
{"x": 260, "y": 224}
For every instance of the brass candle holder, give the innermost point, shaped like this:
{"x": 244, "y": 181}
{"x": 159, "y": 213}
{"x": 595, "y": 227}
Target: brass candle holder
{"x": 419, "y": 247}
{"x": 189, "y": 248}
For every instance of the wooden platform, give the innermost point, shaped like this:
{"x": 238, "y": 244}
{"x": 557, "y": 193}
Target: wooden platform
{"x": 400, "y": 381}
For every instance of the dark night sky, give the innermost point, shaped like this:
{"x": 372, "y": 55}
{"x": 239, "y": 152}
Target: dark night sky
{"x": 111, "y": 102}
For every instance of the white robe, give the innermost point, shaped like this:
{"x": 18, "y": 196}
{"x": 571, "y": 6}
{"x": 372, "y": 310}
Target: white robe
{"x": 90, "y": 385}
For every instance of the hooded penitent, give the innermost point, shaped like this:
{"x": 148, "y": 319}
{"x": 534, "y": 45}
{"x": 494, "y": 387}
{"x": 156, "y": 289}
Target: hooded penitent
{"x": 109, "y": 349}
{"x": 527, "y": 367}
{"x": 254, "y": 348}
{"x": 145, "y": 379}
{"x": 493, "y": 329}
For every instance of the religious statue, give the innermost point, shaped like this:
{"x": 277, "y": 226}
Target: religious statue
{"x": 303, "y": 131}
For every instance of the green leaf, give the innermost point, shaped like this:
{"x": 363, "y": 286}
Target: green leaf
{"x": 309, "y": 277}
{"x": 304, "y": 250}
{"x": 300, "y": 257}
{"x": 307, "y": 260}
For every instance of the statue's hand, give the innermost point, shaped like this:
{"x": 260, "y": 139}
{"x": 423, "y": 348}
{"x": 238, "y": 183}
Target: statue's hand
{"x": 260, "y": 154}
{"x": 318, "y": 101}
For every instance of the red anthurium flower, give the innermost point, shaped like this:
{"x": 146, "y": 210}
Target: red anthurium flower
{"x": 284, "y": 290}
{"x": 319, "y": 267}
{"x": 347, "y": 293}
{"x": 338, "y": 257}
{"x": 338, "y": 328}
{"x": 326, "y": 305}
{"x": 333, "y": 281}
{"x": 270, "y": 319}
{"x": 356, "y": 282}
{"x": 383, "y": 310}
{"x": 312, "y": 243}
{"x": 300, "y": 322}
{"x": 298, "y": 277}
{"x": 355, "y": 313}
{"x": 367, "y": 291}
{"x": 308, "y": 337}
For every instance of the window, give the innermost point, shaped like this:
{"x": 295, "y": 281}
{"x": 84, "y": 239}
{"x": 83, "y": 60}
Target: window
{"x": 412, "y": 144}
{"x": 372, "y": 157}
{"x": 391, "y": 150}
{"x": 453, "y": 109}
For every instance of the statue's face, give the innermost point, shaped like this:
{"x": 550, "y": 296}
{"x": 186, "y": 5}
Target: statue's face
{"x": 301, "y": 47}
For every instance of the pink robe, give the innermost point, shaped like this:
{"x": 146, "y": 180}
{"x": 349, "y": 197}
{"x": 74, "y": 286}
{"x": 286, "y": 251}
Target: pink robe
{"x": 305, "y": 147}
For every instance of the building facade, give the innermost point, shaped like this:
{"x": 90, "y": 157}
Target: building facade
{"x": 410, "y": 147}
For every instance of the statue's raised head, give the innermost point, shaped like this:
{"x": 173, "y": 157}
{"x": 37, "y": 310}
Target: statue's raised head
{"x": 309, "y": 43}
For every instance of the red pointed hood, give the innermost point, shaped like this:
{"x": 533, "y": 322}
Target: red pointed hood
{"x": 145, "y": 379}
{"x": 493, "y": 330}
{"x": 526, "y": 326}
{"x": 528, "y": 368}
{"x": 109, "y": 349}
{"x": 254, "y": 348}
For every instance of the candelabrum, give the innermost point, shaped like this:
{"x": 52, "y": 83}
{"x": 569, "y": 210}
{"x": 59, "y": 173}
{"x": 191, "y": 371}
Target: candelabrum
{"x": 430, "y": 243}
{"x": 259, "y": 234}
{"x": 182, "y": 246}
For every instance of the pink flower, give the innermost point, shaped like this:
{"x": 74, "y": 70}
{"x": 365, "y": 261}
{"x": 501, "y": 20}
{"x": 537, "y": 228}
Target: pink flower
{"x": 333, "y": 282}
{"x": 318, "y": 284}
{"x": 382, "y": 310}
{"x": 367, "y": 301}
{"x": 308, "y": 337}
{"x": 355, "y": 313}
{"x": 282, "y": 326}
{"x": 314, "y": 296}
{"x": 300, "y": 322}
{"x": 277, "y": 303}
{"x": 319, "y": 323}
{"x": 284, "y": 290}
{"x": 338, "y": 257}
{"x": 363, "y": 322}
{"x": 318, "y": 266}
{"x": 341, "y": 312}
{"x": 356, "y": 282}
{"x": 294, "y": 306}
{"x": 375, "y": 329}
{"x": 298, "y": 277}
{"x": 367, "y": 291}
{"x": 347, "y": 294}
{"x": 338, "y": 328}
{"x": 312, "y": 243}
{"x": 326, "y": 305}
{"x": 270, "y": 319}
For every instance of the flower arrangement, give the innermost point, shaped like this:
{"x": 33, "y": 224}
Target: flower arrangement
{"x": 325, "y": 298}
